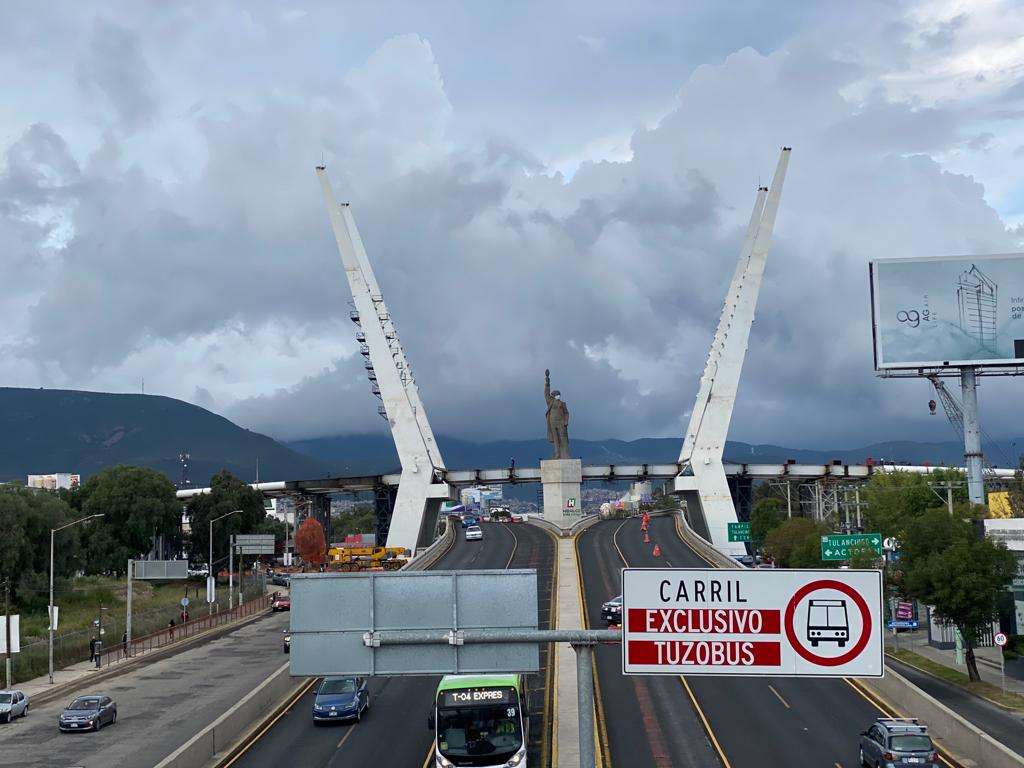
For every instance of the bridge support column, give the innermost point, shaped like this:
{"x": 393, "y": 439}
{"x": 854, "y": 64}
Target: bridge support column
{"x": 563, "y": 497}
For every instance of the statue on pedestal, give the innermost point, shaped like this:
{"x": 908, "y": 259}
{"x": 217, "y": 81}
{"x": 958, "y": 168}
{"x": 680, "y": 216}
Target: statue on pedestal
{"x": 558, "y": 420}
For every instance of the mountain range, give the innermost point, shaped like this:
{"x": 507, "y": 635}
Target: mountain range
{"x": 47, "y": 430}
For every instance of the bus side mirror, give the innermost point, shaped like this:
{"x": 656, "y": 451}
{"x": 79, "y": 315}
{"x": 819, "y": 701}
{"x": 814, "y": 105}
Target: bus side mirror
{"x": 430, "y": 722}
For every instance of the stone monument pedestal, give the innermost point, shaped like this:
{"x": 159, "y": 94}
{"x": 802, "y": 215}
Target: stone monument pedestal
{"x": 563, "y": 500}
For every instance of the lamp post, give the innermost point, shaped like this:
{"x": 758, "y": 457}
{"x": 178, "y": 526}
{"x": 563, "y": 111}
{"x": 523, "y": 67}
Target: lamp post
{"x": 209, "y": 563}
{"x": 53, "y": 533}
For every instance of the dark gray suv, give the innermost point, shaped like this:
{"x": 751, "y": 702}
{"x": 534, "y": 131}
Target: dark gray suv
{"x": 895, "y": 742}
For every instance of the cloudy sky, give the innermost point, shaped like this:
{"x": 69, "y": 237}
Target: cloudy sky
{"x": 538, "y": 184}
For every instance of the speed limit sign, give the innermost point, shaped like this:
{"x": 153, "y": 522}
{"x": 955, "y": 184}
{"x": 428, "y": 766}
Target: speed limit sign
{"x": 999, "y": 639}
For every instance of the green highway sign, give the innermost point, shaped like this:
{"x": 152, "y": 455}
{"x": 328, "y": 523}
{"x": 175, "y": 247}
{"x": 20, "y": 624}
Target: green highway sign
{"x": 839, "y": 546}
{"x": 739, "y": 531}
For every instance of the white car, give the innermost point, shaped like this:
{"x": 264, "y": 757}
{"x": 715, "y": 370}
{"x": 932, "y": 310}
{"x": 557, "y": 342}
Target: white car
{"x": 12, "y": 704}
{"x": 473, "y": 533}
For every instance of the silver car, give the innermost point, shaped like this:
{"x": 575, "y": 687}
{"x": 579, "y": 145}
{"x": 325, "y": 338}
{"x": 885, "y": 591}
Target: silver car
{"x": 12, "y": 704}
{"x": 88, "y": 713}
{"x": 893, "y": 742}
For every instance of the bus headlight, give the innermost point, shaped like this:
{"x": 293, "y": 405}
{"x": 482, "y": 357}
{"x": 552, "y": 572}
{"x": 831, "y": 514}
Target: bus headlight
{"x": 443, "y": 762}
{"x": 517, "y": 758}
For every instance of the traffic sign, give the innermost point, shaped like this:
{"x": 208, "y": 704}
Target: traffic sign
{"x": 904, "y": 610}
{"x": 999, "y": 639}
{"x": 184, "y": 602}
{"x": 739, "y": 531}
{"x": 840, "y": 546}
{"x": 211, "y": 589}
{"x": 794, "y": 623}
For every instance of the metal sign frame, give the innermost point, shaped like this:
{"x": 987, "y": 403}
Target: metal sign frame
{"x": 160, "y": 569}
{"x": 336, "y": 616}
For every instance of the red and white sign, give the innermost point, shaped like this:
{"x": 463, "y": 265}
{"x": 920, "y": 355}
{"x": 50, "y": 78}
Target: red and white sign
{"x": 797, "y": 623}
{"x": 1000, "y": 639}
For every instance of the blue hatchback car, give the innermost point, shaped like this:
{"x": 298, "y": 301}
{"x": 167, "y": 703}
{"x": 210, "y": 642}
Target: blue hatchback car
{"x": 341, "y": 698}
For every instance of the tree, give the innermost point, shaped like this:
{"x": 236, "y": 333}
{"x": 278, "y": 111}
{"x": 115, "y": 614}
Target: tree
{"x": 894, "y": 498}
{"x": 766, "y": 516}
{"x": 360, "y": 519}
{"x": 961, "y": 576}
{"x": 26, "y": 518}
{"x": 138, "y": 505}
{"x": 227, "y": 494}
{"x": 310, "y": 541}
{"x": 796, "y": 543}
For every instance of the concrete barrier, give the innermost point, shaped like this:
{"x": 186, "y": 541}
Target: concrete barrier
{"x": 558, "y": 531}
{"x": 425, "y": 559}
{"x": 200, "y": 750}
{"x": 964, "y": 740}
{"x": 700, "y": 545}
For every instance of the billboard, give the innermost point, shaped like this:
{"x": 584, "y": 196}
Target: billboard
{"x": 948, "y": 311}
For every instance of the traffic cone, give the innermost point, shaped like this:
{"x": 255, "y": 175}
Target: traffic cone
{"x": 647, "y": 539}
{"x": 657, "y": 550}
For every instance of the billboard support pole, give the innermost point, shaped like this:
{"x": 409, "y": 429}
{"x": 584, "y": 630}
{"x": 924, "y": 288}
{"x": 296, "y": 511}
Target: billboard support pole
{"x": 585, "y": 702}
{"x": 972, "y": 435}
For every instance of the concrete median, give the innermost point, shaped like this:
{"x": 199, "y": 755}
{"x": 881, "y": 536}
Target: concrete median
{"x": 199, "y": 751}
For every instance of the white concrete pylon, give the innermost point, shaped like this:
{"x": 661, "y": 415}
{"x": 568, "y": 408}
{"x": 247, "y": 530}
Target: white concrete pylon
{"x": 419, "y": 492}
{"x": 703, "y": 483}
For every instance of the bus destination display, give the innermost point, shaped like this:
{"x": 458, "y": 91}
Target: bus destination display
{"x": 475, "y": 696}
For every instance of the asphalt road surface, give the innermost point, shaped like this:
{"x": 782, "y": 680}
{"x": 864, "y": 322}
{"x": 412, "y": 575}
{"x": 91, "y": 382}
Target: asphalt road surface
{"x": 394, "y": 732}
{"x": 755, "y": 721}
{"x": 160, "y": 705}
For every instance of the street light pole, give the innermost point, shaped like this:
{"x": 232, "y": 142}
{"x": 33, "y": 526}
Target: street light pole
{"x": 53, "y": 533}
{"x": 209, "y": 563}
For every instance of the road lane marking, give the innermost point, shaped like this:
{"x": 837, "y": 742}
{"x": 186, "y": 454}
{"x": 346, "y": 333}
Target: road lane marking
{"x": 837, "y": 765}
{"x": 601, "y": 735}
{"x": 345, "y": 737}
{"x": 515, "y": 545}
{"x": 262, "y": 732}
{"x": 707, "y": 725}
{"x": 430, "y": 754}
{"x": 779, "y": 697}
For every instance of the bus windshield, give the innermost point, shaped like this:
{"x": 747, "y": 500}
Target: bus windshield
{"x": 493, "y": 731}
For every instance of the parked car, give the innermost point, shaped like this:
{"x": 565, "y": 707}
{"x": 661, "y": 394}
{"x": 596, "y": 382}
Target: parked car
{"x": 199, "y": 570}
{"x": 474, "y": 533}
{"x": 281, "y": 603}
{"x": 341, "y": 698}
{"x": 897, "y": 741}
{"x": 611, "y": 611}
{"x": 88, "y": 713}
{"x": 12, "y": 704}
{"x": 287, "y": 641}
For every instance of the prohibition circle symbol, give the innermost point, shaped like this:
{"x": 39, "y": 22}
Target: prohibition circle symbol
{"x": 865, "y": 616}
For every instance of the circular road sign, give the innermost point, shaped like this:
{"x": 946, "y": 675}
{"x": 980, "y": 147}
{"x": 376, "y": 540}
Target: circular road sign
{"x": 805, "y": 652}
{"x": 999, "y": 639}
{"x": 890, "y": 543}
{"x": 184, "y": 602}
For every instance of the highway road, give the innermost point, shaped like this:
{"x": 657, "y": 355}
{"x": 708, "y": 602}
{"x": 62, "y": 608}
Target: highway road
{"x": 394, "y": 732}
{"x": 749, "y": 721}
{"x": 160, "y": 705}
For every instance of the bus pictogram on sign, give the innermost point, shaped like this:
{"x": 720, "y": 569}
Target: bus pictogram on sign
{"x": 761, "y": 622}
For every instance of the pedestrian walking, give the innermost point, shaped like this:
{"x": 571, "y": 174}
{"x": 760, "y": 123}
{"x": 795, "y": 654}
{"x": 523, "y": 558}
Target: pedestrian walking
{"x": 170, "y": 630}
{"x": 124, "y": 642}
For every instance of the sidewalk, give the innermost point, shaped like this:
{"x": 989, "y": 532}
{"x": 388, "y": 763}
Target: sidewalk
{"x": 988, "y": 658}
{"x": 77, "y": 676}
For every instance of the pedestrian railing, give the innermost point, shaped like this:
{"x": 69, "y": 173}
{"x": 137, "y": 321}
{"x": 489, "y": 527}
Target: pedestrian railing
{"x": 180, "y": 632}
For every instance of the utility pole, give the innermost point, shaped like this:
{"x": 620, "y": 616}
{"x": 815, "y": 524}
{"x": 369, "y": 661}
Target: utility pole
{"x": 7, "y": 629}
{"x": 128, "y": 617}
{"x": 948, "y": 486}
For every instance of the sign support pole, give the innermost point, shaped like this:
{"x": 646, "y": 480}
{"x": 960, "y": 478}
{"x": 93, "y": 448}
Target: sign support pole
{"x": 585, "y": 702}
{"x": 128, "y": 617}
{"x": 231, "y": 573}
{"x": 7, "y": 630}
{"x": 972, "y": 434}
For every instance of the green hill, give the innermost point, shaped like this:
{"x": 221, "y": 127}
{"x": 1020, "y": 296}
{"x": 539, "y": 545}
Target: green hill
{"x": 55, "y": 430}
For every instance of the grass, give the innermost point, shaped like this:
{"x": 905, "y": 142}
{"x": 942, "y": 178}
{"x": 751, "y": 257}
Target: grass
{"x": 985, "y": 690}
{"x": 80, "y": 600}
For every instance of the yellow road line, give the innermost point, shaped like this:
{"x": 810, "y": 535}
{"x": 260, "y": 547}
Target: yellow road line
{"x": 778, "y": 696}
{"x": 345, "y": 737}
{"x": 515, "y": 545}
{"x": 430, "y": 755}
{"x": 601, "y": 734}
{"x": 707, "y": 725}
{"x": 291, "y": 703}
{"x": 546, "y": 759}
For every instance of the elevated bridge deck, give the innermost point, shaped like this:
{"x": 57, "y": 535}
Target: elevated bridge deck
{"x": 591, "y": 473}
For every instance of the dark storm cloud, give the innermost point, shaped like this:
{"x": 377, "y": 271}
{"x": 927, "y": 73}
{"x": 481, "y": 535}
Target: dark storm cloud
{"x": 186, "y": 239}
